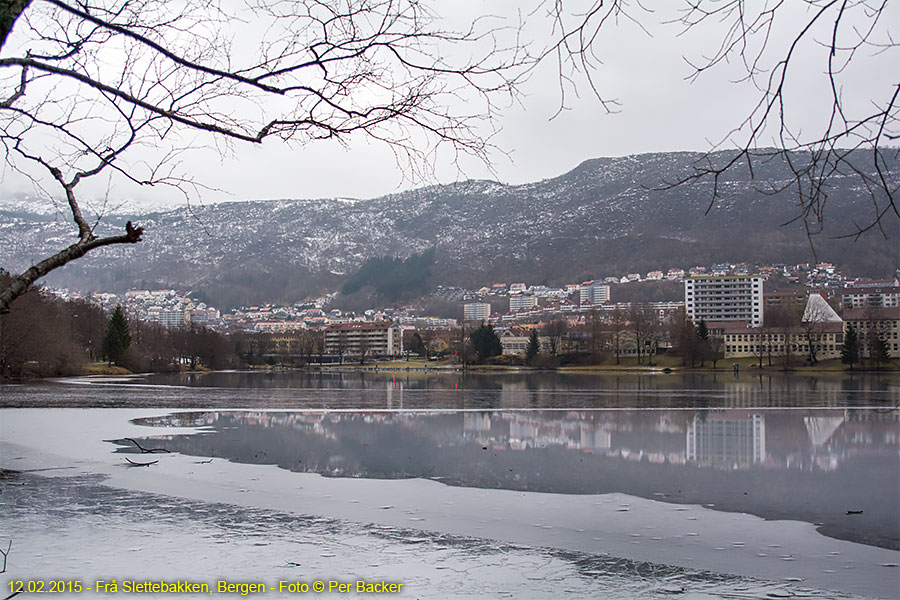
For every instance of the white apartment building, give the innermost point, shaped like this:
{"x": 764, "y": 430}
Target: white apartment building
{"x": 724, "y": 298}
{"x": 878, "y": 294}
{"x": 476, "y": 311}
{"x": 382, "y": 338}
{"x": 593, "y": 292}
{"x": 171, "y": 319}
{"x": 517, "y": 301}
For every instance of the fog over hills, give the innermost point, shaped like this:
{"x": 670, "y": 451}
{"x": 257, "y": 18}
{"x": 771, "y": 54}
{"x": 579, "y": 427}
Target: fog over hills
{"x": 605, "y": 217}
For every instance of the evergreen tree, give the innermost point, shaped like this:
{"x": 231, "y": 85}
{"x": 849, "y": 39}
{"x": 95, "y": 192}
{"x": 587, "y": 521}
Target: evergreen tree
{"x": 117, "y": 338}
{"x": 850, "y": 350}
{"x": 485, "y": 342}
{"x": 703, "y": 346}
{"x": 702, "y": 330}
{"x": 534, "y": 346}
{"x": 881, "y": 351}
{"x": 416, "y": 345}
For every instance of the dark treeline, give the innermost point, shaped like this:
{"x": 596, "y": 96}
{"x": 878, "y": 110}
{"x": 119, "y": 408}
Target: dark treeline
{"x": 41, "y": 336}
{"x": 44, "y": 336}
{"x": 393, "y": 278}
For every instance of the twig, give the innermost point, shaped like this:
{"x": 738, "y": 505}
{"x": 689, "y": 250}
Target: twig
{"x": 145, "y": 450}
{"x": 5, "y": 554}
{"x": 139, "y": 464}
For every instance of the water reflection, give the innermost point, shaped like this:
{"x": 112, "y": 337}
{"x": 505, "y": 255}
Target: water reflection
{"x": 808, "y": 464}
{"x": 419, "y": 390}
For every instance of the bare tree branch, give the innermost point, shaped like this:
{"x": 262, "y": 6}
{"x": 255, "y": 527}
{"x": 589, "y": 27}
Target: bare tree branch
{"x": 98, "y": 83}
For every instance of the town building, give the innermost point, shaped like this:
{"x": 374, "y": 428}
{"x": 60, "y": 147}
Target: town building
{"x": 724, "y": 298}
{"x": 515, "y": 341}
{"x": 380, "y": 338}
{"x": 786, "y": 297}
{"x": 519, "y": 301}
{"x": 476, "y": 311}
{"x": 871, "y": 322}
{"x": 820, "y": 326}
{"x": 593, "y": 292}
{"x": 170, "y": 319}
{"x": 871, "y": 293}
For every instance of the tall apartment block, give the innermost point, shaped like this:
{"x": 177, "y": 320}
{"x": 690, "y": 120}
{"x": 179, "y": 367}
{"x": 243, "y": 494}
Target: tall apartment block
{"x": 476, "y": 311}
{"x": 593, "y": 292}
{"x": 724, "y": 298}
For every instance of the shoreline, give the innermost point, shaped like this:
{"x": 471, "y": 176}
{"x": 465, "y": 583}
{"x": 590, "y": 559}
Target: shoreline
{"x": 745, "y": 371}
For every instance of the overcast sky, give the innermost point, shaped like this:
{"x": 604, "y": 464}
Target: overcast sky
{"x": 659, "y": 111}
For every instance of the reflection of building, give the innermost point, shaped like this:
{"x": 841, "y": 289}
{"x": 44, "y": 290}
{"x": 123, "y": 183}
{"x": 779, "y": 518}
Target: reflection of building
{"x": 726, "y": 298}
{"x": 381, "y": 338}
{"x": 727, "y": 439}
{"x": 522, "y": 430}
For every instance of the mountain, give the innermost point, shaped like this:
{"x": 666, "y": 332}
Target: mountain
{"x": 606, "y": 216}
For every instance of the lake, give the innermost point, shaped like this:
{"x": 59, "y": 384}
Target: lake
{"x": 517, "y": 485}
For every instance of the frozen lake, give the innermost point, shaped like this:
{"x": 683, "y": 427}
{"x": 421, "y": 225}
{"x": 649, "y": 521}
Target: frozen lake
{"x": 539, "y": 485}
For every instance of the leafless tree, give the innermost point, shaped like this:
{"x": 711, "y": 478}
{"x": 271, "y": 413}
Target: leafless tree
{"x": 598, "y": 335}
{"x": 307, "y": 344}
{"x": 5, "y": 555}
{"x": 813, "y": 324}
{"x": 554, "y": 331}
{"x": 363, "y": 345}
{"x": 683, "y": 337}
{"x": 784, "y": 321}
{"x": 773, "y": 42}
{"x": 716, "y": 348}
{"x": 643, "y": 324}
{"x": 121, "y": 88}
{"x": 617, "y": 324}
{"x": 855, "y": 138}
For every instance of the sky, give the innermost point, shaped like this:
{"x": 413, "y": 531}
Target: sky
{"x": 645, "y": 71}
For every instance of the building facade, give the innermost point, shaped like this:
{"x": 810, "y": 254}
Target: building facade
{"x": 724, "y": 298}
{"x": 863, "y": 296}
{"x": 476, "y": 311}
{"x": 875, "y": 322}
{"x": 515, "y": 341}
{"x": 380, "y": 338}
{"x": 593, "y": 292}
{"x": 519, "y": 301}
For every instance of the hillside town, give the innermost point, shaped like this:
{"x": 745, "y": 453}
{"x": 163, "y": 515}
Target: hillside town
{"x": 743, "y": 315}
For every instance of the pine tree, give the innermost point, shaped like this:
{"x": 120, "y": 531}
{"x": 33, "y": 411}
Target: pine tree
{"x": 703, "y": 345}
{"x": 117, "y": 338}
{"x": 882, "y": 353}
{"x": 486, "y": 342}
{"x": 533, "y": 347}
{"x": 850, "y": 350}
{"x": 702, "y": 330}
